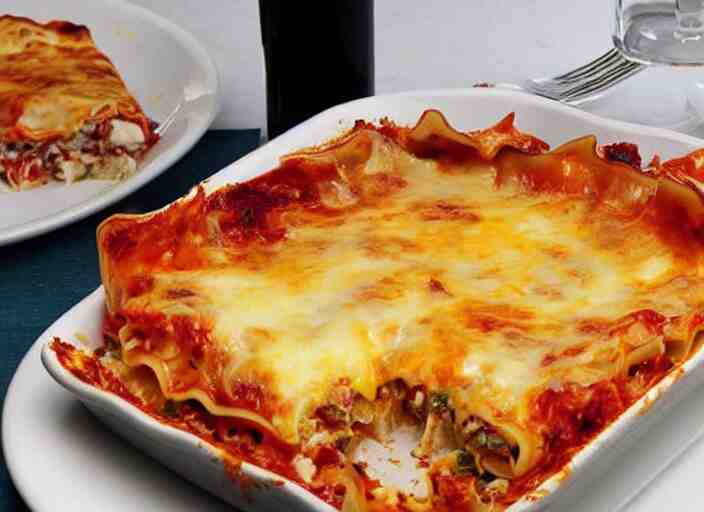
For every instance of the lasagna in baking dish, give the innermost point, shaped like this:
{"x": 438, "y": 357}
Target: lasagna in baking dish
{"x": 65, "y": 113}
{"x": 499, "y": 303}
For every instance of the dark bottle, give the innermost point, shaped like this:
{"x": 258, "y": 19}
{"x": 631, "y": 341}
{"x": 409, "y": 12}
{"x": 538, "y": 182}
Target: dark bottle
{"x": 318, "y": 53}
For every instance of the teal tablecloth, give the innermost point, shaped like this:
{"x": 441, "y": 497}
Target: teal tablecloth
{"x": 43, "y": 277}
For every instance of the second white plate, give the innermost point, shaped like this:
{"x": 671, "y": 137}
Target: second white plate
{"x": 167, "y": 70}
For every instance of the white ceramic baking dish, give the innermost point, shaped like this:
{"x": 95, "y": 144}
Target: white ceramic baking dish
{"x": 466, "y": 109}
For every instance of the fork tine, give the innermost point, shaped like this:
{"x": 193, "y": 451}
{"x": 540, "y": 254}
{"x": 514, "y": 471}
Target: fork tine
{"x": 604, "y": 61}
{"x": 550, "y": 87}
{"x": 613, "y": 77}
{"x": 601, "y": 65}
{"x": 574, "y": 86}
{"x": 600, "y": 78}
{"x": 576, "y": 98}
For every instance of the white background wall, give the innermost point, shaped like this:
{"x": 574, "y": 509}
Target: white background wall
{"x": 419, "y": 43}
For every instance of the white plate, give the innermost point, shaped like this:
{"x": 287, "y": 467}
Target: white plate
{"x": 58, "y": 457}
{"x": 166, "y": 69}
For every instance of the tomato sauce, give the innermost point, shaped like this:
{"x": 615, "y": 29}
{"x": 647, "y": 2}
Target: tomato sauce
{"x": 571, "y": 417}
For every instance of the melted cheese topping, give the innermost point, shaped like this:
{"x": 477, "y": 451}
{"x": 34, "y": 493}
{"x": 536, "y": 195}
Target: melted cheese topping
{"x": 460, "y": 274}
{"x": 53, "y": 79}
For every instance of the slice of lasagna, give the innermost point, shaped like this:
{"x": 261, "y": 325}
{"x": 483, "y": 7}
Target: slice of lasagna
{"x": 501, "y": 302}
{"x": 65, "y": 113}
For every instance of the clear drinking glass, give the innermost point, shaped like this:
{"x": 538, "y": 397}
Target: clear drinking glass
{"x": 667, "y": 33}
{"x": 661, "y": 32}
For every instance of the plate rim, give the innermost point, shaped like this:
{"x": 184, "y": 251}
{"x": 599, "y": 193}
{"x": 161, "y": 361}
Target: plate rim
{"x": 43, "y": 225}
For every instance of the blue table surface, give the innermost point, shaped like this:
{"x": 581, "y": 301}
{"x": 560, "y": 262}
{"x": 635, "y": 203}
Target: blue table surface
{"x": 43, "y": 277}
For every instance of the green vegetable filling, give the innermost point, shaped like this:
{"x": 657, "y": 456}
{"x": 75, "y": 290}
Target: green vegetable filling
{"x": 439, "y": 401}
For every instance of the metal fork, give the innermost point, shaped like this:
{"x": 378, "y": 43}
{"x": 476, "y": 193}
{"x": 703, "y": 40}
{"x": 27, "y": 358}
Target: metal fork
{"x": 586, "y": 81}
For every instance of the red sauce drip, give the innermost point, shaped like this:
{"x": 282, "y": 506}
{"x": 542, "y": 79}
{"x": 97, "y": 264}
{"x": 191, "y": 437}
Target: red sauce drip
{"x": 624, "y": 152}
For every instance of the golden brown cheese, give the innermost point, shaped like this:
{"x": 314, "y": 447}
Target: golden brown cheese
{"x": 53, "y": 79}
